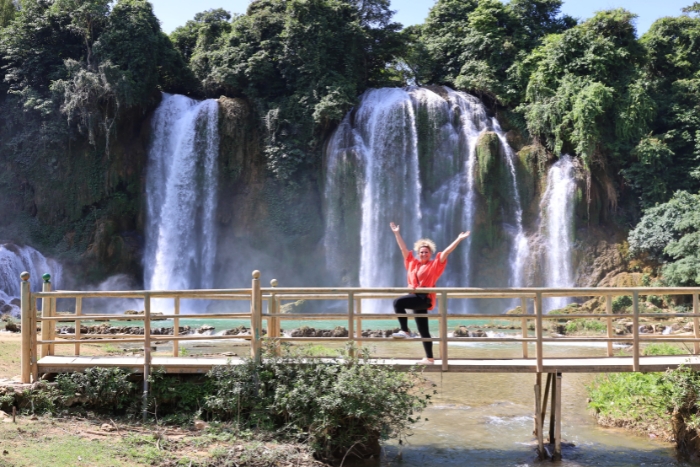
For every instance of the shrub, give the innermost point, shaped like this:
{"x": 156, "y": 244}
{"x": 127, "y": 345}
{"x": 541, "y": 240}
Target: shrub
{"x": 337, "y": 405}
{"x": 179, "y": 398}
{"x": 621, "y": 303}
{"x": 585, "y": 325}
{"x": 105, "y": 389}
{"x": 663, "y": 349}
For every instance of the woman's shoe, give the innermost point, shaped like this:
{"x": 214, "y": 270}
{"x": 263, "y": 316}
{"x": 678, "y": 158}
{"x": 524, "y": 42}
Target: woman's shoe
{"x": 427, "y": 361}
{"x": 401, "y": 335}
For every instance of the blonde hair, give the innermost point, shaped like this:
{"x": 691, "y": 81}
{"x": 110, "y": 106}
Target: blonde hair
{"x": 425, "y": 242}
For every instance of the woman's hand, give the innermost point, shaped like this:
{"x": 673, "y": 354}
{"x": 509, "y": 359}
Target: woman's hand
{"x": 399, "y": 240}
{"x": 463, "y": 235}
{"x": 453, "y": 245}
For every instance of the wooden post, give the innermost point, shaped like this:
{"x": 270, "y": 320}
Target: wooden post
{"x": 176, "y": 328}
{"x": 45, "y": 313}
{"x": 538, "y": 382}
{"x": 146, "y": 350}
{"x": 552, "y": 410}
{"x": 538, "y": 331}
{"x": 443, "y": 330}
{"x": 26, "y": 323}
{"x": 256, "y": 317}
{"x": 523, "y": 308}
{"x": 273, "y": 324}
{"x": 351, "y": 322}
{"x": 635, "y": 331}
{"x": 538, "y": 420}
{"x": 358, "y": 313}
{"x": 557, "y": 427}
{"x": 78, "y": 312}
{"x": 609, "y": 311}
{"x": 696, "y": 321}
{"x": 544, "y": 399}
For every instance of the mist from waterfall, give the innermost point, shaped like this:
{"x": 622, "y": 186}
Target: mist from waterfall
{"x": 16, "y": 259}
{"x": 408, "y": 156}
{"x": 557, "y": 211}
{"x": 181, "y": 195}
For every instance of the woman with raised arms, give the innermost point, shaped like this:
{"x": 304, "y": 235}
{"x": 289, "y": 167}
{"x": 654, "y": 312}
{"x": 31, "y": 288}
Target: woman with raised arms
{"x": 423, "y": 272}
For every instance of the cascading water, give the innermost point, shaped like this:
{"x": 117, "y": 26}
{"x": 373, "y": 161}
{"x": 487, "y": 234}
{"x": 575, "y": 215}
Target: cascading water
{"x": 521, "y": 250}
{"x": 181, "y": 187}
{"x": 408, "y": 156}
{"x": 16, "y": 259}
{"x": 557, "y": 208}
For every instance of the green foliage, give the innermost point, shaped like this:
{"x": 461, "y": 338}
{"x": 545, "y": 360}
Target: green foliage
{"x": 475, "y": 45}
{"x": 663, "y": 349}
{"x": 177, "y": 398}
{"x": 335, "y": 404}
{"x": 8, "y": 10}
{"x": 633, "y": 399}
{"x": 621, "y": 303}
{"x": 670, "y": 234}
{"x": 105, "y": 389}
{"x": 585, "y": 325}
{"x": 585, "y": 92}
{"x": 303, "y": 62}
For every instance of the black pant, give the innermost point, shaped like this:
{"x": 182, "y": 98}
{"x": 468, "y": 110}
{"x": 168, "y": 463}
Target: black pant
{"x": 419, "y": 303}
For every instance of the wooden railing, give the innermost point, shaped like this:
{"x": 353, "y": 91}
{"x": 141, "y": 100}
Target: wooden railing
{"x": 353, "y": 318}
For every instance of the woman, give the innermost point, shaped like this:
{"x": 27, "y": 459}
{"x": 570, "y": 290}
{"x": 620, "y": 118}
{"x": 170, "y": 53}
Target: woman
{"x": 422, "y": 273}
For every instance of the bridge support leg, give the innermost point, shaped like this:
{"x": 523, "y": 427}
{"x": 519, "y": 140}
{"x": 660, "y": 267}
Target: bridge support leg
{"x": 556, "y": 410}
{"x": 541, "y": 452}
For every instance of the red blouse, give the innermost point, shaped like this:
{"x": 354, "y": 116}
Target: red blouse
{"x": 424, "y": 275}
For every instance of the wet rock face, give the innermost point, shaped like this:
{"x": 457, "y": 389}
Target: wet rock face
{"x": 599, "y": 264}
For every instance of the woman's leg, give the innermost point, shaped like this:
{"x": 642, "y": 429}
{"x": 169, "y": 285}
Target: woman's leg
{"x": 410, "y": 302}
{"x": 424, "y": 330}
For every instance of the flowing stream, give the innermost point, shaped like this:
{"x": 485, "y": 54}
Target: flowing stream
{"x": 181, "y": 187}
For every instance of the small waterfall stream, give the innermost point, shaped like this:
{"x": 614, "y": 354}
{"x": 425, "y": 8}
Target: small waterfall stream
{"x": 16, "y": 259}
{"x": 181, "y": 187}
{"x": 557, "y": 211}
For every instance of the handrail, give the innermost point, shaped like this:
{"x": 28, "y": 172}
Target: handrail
{"x": 353, "y": 317}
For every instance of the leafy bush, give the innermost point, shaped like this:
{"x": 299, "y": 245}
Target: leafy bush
{"x": 590, "y": 325}
{"x": 106, "y": 389}
{"x": 621, "y": 303}
{"x": 179, "y": 398}
{"x": 335, "y": 405}
{"x": 663, "y": 349}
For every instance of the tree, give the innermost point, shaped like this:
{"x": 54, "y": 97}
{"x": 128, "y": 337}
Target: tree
{"x": 303, "y": 62}
{"x": 670, "y": 234}
{"x": 8, "y": 10}
{"x": 585, "y": 93}
{"x": 473, "y": 45}
{"x": 87, "y": 16}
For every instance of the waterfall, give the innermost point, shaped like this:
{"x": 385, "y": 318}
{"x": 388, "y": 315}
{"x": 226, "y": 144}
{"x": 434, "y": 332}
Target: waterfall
{"x": 181, "y": 187}
{"x": 13, "y": 261}
{"x": 557, "y": 210}
{"x": 520, "y": 251}
{"x": 408, "y": 156}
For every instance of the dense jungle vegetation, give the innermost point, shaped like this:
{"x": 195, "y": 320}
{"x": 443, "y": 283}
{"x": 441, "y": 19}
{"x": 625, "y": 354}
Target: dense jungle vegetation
{"x": 80, "y": 74}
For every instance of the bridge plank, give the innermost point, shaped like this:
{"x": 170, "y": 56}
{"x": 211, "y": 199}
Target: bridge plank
{"x": 61, "y": 364}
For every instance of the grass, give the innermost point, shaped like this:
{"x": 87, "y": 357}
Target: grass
{"x": 59, "y": 442}
{"x": 584, "y": 326}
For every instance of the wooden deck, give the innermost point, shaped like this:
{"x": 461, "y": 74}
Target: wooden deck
{"x": 201, "y": 365}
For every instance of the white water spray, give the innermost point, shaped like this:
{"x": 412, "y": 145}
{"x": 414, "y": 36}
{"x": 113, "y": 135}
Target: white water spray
{"x": 16, "y": 259}
{"x": 409, "y": 156}
{"x": 557, "y": 209}
{"x": 181, "y": 187}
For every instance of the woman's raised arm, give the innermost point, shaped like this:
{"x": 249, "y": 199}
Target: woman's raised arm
{"x": 453, "y": 245}
{"x": 399, "y": 240}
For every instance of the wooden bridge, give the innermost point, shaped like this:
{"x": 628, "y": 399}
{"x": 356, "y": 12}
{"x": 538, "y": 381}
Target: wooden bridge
{"x": 39, "y": 356}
